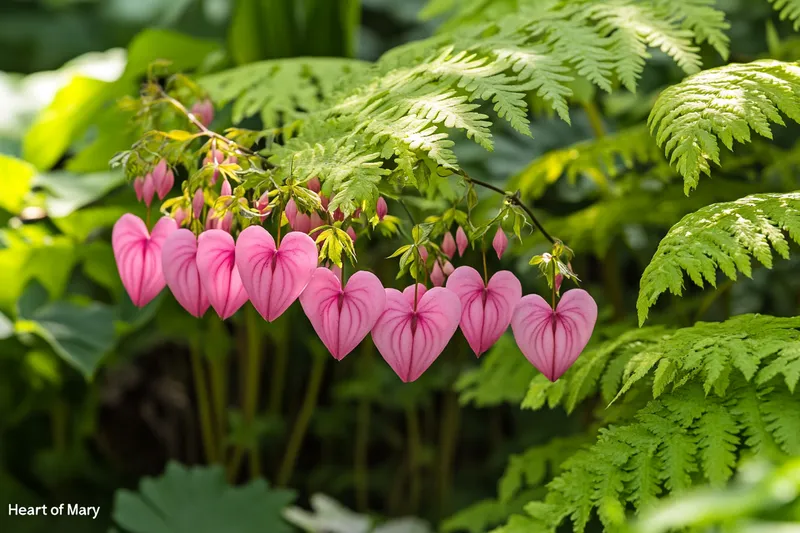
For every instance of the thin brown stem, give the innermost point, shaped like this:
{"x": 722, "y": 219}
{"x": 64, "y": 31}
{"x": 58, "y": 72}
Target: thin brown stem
{"x": 514, "y": 199}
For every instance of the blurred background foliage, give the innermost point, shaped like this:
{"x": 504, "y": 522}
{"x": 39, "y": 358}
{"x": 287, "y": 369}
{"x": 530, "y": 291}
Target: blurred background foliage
{"x": 97, "y": 401}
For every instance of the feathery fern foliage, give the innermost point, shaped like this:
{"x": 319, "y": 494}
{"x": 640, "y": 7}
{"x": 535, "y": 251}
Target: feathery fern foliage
{"x": 722, "y": 235}
{"x": 788, "y": 10}
{"x": 280, "y": 91}
{"x": 682, "y": 432}
{"x": 722, "y": 104}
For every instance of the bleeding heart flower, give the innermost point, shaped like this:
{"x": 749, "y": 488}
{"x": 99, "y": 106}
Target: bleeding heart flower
{"x": 486, "y": 310}
{"x": 447, "y": 268}
{"x": 423, "y": 253}
{"x": 138, "y": 188}
{"x": 179, "y": 258}
{"x": 163, "y": 179}
{"x": 437, "y": 276}
{"x": 275, "y": 277}
{"x": 411, "y": 339}
{"x": 198, "y": 202}
{"x": 553, "y": 339}
{"x": 461, "y": 241}
{"x": 352, "y": 233}
{"x": 342, "y": 316}
{"x": 314, "y": 185}
{"x": 204, "y": 111}
{"x": 216, "y": 264}
{"x": 180, "y": 215}
{"x": 225, "y": 190}
{"x": 148, "y": 190}
{"x": 337, "y": 271}
{"x": 300, "y": 221}
{"x": 138, "y": 256}
{"x": 381, "y": 209}
{"x": 500, "y": 242}
{"x": 449, "y": 245}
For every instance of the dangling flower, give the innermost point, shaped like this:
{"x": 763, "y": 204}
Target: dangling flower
{"x": 461, "y": 241}
{"x": 447, "y": 268}
{"x": 138, "y": 256}
{"x": 500, "y": 242}
{"x": 486, "y": 310}
{"x": 381, "y": 209}
{"x": 423, "y": 253}
{"x": 437, "y": 276}
{"x": 262, "y": 206}
{"x": 204, "y": 111}
{"x": 449, "y": 245}
{"x": 552, "y": 339}
{"x": 163, "y": 179}
{"x": 343, "y": 316}
{"x": 144, "y": 189}
{"x": 216, "y": 265}
{"x": 274, "y": 276}
{"x": 410, "y": 338}
{"x": 225, "y": 189}
{"x": 198, "y": 202}
{"x": 314, "y": 185}
{"x": 180, "y": 215}
{"x": 179, "y": 257}
{"x": 138, "y": 188}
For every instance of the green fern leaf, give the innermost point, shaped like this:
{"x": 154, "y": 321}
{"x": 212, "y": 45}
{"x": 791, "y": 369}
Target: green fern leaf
{"x": 720, "y": 235}
{"x": 723, "y": 104}
{"x": 788, "y": 10}
{"x": 717, "y": 433}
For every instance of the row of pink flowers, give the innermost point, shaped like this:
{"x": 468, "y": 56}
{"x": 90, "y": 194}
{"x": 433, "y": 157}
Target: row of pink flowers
{"x": 409, "y": 328}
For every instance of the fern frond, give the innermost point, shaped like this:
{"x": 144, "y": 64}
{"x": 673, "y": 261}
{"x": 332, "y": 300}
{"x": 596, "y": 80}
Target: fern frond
{"x": 662, "y": 449}
{"x": 788, "y": 10}
{"x": 722, "y": 104}
{"x": 280, "y": 90}
{"x": 721, "y": 235}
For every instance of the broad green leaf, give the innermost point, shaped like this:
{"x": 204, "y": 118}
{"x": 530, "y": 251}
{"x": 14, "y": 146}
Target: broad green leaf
{"x": 182, "y": 51}
{"x": 69, "y": 192}
{"x": 80, "y": 224}
{"x": 58, "y": 126}
{"x": 262, "y": 29}
{"x": 15, "y": 182}
{"x": 81, "y": 335}
{"x": 199, "y": 500}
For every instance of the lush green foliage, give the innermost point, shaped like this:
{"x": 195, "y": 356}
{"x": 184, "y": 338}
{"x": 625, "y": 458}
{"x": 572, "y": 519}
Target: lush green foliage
{"x": 550, "y": 97}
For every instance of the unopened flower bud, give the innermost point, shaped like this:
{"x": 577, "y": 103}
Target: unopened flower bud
{"x": 437, "y": 276}
{"x": 381, "y": 209}
{"x": 314, "y": 185}
{"x": 198, "y": 202}
{"x": 180, "y": 215}
{"x": 148, "y": 190}
{"x": 204, "y": 111}
{"x": 163, "y": 179}
{"x": 500, "y": 242}
{"x": 449, "y": 245}
{"x": 352, "y": 233}
{"x": 226, "y": 189}
{"x": 461, "y": 241}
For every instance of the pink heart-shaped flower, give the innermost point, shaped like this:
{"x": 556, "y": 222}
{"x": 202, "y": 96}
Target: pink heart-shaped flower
{"x": 553, "y": 340}
{"x": 179, "y": 257}
{"x": 342, "y": 316}
{"x": 486, "y": 310}
{"x": 275, "y": 277}
{"x": 216, "y": 264}
{"x": 138, "y": 256}
{"x": 411, "y": 339}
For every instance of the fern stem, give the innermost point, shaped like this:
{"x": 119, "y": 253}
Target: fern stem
{"x": 408, "y": 211}
{"x": 595, "y": 119}
{"x": 514, "y": 199}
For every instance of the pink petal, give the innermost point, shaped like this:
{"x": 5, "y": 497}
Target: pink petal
{"x": 225, "y": 190}
{"x": 437, "y": 276}
{"x": 138, "y": 188}
{"x": 314, "y": 184}
{"x": 148, "y": 190}
{"x": 461, "y": 241}
{"x": 179, "y": 257}
{"x": 486, "y": 311}
{"x": 274, "y": 278}
{"x": 180, "y": 215}
{"x": 447, "y": 269}
{"x": 138, "y": 256}
{"x": 411, "y": 340}
{"x": 216, "y": 264}
{"x": 342, "y": 317}
{"x": 423, "y": 253}
{"x": 500, "y": 242}
{"x": 163, "y": 179}
{"x": 408, "y": 292}
{"x": 198, "y": 202}
{"x": 553, "y": 340}
{"x": 449, "y": 245}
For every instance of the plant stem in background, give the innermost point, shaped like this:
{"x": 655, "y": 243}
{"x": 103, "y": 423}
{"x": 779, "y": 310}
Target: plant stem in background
{"x": 59, "y": 421}
{"x": 303, "y": 418}
{"x": 451, "y": 422}
{"x": 203, "y": 403}
{"x": 252, "y": 381}
{"x": 595, "y": 119}
{"x": 361, "y": 448}
{"x": 414, "y": 456}
{"x": 218, "y": 367}
{"x": 279, "y": 361}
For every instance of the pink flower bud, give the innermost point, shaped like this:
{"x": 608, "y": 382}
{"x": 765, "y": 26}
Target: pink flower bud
{"x": 449, "y": 245}
{"x": 423, "y": 253}
{"x": 357, "y": 213}
{"x": 314, "y": 222}
{"x": 437, "y": 276}
{"x": 461, "y": 241}
{"x": 198, "y": 202}
{"x": 291, "y": 214}
{"x": 314, "y": 184}
{"x": 337, "y": 271}
{"x": 338, "y": 215}
{"x": 163, "y": 178}
{"x": 324, "y": 200}
{"x": 500, "y": 242}
{"x": 352, "y": 233}
{"x": 212, "y": 221}
{"x": 204, "y": 111}
{"x": 180, "y": 215}
{"x": 447, "y": 269}
{"x": 148, "y": 190}
{"x": 138, "y": 188}
{"x": 381, "y": 209}
{"x": 226, "y": 189}
{"x": 226, "y": 222}
{"x": 213, "y": 156}
{"x": 263, "y": 201}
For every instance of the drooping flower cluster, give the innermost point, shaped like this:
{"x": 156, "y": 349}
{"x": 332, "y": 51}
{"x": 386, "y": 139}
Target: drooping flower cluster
{"x": 193, "y": 251}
